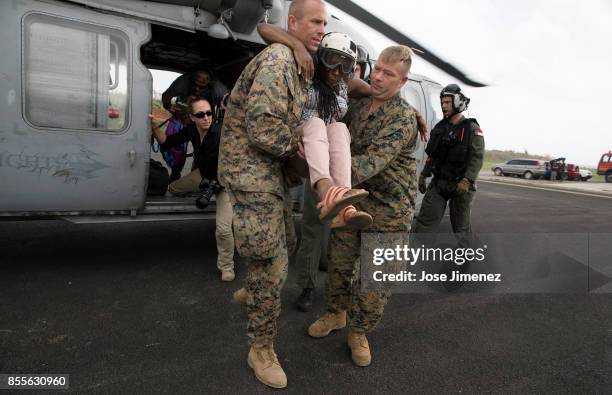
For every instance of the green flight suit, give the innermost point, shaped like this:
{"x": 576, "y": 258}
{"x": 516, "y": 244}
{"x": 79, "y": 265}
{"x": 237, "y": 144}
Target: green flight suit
{"x": 312, "y": 230}
{"x": 443, "y": 188}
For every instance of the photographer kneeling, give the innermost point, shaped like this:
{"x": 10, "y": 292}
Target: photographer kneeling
{"x": 205, "y": 140}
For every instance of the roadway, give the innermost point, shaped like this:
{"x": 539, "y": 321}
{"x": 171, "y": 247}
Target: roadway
{"x": 136, "y": 308}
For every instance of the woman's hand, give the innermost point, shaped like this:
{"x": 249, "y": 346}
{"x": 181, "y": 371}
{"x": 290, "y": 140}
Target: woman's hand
{"x": 274, "y": 34}
{"x": 153, "y": 125}
{"x": 422, "y": 127}
{"x": 301, "y": 151}
{"x": 304, "y": 61}
{"x": 158, "y": 134}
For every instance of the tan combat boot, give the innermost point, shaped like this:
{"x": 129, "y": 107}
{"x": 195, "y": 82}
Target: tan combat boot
{"x": 228, "y": 275}
{"x": 329, "y": 322}
{"x": 240, "y": 296}
{"x": 264, "y": 362}
{"x": 360, "y": 349}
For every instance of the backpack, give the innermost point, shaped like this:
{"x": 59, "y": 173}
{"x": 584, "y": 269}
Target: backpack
{"x": 174, "y": 157}
{"x": 158, "y": 179}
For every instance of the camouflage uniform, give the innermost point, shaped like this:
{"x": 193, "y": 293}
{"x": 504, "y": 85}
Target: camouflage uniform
{"x": 265, "y": 107}
{"x": 383, "y": 163}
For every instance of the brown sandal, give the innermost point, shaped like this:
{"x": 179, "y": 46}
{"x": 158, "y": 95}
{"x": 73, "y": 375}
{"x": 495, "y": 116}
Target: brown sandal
{"x": 350, "y": 218}
{"x": 338, "y": 198}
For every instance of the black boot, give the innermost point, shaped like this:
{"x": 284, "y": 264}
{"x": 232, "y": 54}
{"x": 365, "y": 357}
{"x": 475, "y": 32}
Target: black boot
{"x": 304, "y": 302}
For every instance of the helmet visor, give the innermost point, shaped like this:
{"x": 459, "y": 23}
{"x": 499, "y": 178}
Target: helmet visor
{"x": 332, "y": 59}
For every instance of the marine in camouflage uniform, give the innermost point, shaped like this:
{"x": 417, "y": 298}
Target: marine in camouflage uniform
{"x": 455, "y": 155}
{"x": 265, "y": 107}
{"x": 383, "y": 131}
{"x": 383, "y": 147}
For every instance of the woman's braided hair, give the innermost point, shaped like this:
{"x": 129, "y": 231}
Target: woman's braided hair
{"x": 327, "y": 100}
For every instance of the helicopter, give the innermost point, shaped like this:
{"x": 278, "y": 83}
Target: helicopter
{"x": 77, "y": 87}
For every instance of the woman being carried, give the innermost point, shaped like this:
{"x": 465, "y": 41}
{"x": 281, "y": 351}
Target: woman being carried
{"x": 326, "y": 141}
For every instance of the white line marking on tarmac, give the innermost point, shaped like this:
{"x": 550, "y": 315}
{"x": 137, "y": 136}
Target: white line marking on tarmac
{"x": 546, "y": 189}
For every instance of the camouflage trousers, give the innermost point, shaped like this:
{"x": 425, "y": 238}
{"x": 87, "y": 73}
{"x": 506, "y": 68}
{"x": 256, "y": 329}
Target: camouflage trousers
{"x": 265, "y": 236}
{"x": 343, "y": 285}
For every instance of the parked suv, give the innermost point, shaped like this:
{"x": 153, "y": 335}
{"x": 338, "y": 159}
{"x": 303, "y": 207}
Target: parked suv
{"x": 604, "y": 168}
{"x": 527, "y": 168}
{"x": 575, "y": 173}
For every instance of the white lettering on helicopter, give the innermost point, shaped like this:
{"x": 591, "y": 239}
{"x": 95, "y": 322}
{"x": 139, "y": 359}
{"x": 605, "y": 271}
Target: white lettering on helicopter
{"x": 72, "y": 166}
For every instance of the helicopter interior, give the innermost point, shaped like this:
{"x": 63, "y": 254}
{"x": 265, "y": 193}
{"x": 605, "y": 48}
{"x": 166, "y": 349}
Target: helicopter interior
{"x": 181, "y": 51}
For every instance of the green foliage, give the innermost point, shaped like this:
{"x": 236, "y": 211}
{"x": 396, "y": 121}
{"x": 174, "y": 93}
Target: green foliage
{"x": 156, "y": 104}
{"x": 498, "y": 156}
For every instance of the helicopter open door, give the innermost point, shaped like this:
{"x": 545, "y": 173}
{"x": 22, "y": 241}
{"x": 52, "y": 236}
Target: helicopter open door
{"x": 74, "y": 136}
{"x": 68, "y": 141}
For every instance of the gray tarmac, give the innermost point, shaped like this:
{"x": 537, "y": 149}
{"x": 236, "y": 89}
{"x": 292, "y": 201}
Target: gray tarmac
{"x": 139, "y": 308}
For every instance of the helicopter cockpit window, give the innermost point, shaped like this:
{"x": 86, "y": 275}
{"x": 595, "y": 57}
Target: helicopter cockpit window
{"x": 75, "y": 75}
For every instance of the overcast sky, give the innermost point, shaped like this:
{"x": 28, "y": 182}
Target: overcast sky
{"x": 548, "y": 65}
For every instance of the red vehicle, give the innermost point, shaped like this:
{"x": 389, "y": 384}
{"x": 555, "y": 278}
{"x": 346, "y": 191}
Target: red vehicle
{"x": 573, "y": 172}
{"x": 113, "y": 112}
{"x": 604, "y": 168}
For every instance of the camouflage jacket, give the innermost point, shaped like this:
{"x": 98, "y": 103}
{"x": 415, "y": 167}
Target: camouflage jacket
{"x": 383, "y": 148}
{"x": 264, "y": 109}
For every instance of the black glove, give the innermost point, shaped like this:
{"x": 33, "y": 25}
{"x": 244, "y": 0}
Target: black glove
{"x": 422, "y": 184}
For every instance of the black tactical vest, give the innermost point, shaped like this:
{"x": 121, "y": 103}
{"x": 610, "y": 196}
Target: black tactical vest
{"x": 450, "y": 148}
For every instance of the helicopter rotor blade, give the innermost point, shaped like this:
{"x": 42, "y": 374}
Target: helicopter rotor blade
{"x": 379, "y": 25}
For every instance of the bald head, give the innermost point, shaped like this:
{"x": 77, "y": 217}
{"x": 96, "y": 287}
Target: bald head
{"x": 306, "y": 22}
{"x": 297, "y": 7}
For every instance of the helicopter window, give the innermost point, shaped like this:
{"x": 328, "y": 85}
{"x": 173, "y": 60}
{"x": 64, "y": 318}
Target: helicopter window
{"x": 75, "y": 75}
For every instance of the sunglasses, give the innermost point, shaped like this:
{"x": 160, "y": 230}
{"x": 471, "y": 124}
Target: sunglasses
{"x": 203, "y": 114}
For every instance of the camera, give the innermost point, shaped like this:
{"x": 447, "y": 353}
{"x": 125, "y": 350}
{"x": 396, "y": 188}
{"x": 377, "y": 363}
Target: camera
{"x": 207, "y": 189}
{"x": 181, "y": 106}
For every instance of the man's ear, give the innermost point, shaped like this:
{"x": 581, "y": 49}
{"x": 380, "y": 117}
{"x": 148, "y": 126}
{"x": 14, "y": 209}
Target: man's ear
{"x": 291, "y": 23}
{"x": 404, "y": 80}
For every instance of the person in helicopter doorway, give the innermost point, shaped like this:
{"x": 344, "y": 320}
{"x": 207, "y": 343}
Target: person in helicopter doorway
{"x": 203, "y": 134}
